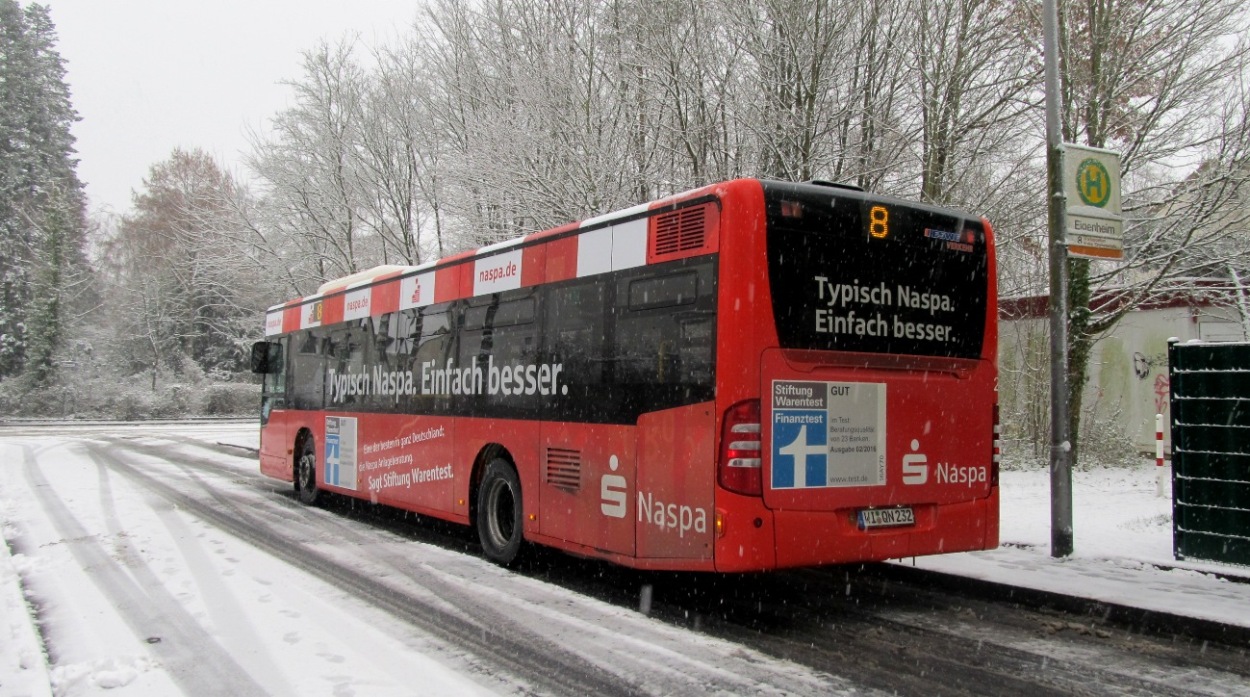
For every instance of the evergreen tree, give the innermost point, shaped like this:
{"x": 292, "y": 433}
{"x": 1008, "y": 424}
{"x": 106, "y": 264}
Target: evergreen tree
{"x": 42, "y": 217}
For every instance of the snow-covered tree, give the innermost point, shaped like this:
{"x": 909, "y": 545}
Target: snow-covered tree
{"x": 1163, "y": 83}
{"x": 499, "y": 117}
{"x": 183, "y": 288}
{"x": 42, "y": 219}
{"x": 311, "y": 178}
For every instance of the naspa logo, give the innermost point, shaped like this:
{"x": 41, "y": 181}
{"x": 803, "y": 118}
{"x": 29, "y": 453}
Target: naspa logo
{"x": 613, "y": 492}
{"x": 916, "y": 470}
{"x": 915, "y": 465}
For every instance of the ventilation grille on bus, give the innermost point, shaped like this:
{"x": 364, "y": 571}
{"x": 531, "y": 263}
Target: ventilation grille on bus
{"x": 680, "y": 231}
{"x": 564, "y": 469}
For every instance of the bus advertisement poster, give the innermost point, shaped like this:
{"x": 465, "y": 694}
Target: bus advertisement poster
{"x": 341, "y": 451}
{"x": 827, "y": 434}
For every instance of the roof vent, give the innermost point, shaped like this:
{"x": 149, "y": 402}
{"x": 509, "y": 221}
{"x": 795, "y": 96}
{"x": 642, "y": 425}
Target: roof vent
{"x": 834, "y": 185}
{"x": 682, "y": 230}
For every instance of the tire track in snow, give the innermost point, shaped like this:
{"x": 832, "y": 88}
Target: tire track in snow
{"x": 927, "y": 634}
{"x": 227, "y": 615}
{"x": 193, "y": 659}
{"x": 664, "y": 657}
{"x": 546, "y": 667}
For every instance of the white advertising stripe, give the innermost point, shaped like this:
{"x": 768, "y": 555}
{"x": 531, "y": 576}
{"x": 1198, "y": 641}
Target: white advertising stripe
{"x": 497, "y": 273}
{"x": 273, "y": 323}
{"x": 416, "y": 291}
{"x": 310, "y": 314}
{"x": 594, "y": 252}
{"x": 629, "y": 244}
{"x": 356, "y": 304}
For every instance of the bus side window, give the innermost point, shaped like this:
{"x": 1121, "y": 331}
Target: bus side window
{"x": 405, "y": 333}
{"x": 307, "y": 383}
{"x": 663, "y": 345}
{"x": 508, "y": 333}
{"x": 649, "y": 340}
{"x": 380, "y": 330}
{"x": 434, "y": 342}
{"x": 308, "y": 343}
{"x": 346, "y": 356}
{"x": 577, "y": 333}
{"x": 475, "y": 340}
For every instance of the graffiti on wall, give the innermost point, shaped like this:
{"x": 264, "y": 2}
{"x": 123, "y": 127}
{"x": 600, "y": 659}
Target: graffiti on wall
{"x": 1163, "y": 388}
{"x": 1143, "y": 366}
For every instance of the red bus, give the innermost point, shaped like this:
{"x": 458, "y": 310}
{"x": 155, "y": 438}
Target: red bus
{"x": 751, "y": 375}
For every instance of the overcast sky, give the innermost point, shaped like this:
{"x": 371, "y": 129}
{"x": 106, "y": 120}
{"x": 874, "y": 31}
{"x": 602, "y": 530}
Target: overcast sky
{"x": 147, "y": 76}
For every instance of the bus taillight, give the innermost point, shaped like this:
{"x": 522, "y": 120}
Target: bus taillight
{"x": 997, "y": 449}
{"x": 739, "y": 469}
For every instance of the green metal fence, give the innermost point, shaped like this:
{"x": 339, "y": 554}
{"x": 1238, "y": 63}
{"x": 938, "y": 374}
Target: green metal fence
{"x": 1210, "y": 451}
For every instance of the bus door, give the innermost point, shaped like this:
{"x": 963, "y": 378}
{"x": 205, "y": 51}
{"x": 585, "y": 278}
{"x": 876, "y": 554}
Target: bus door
{"x": 269, "y": 359}
{"x": 587, "y": 454}
{"x": 663, "y": 362}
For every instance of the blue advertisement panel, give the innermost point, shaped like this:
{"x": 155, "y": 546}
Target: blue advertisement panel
{"x": 340, "y": 455}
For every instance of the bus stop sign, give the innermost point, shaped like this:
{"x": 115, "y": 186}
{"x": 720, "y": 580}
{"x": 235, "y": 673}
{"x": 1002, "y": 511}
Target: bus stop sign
{"x": 1091, "y": 177}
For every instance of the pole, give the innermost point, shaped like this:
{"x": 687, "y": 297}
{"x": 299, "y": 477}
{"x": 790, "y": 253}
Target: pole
{"x": 1060, "y": 431}
{"x": 1159, "y": 480}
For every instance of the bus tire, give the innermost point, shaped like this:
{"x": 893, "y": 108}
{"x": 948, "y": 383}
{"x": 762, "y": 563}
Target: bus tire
{"x": 306, "y": 473}
{"x": 499, "y": 524}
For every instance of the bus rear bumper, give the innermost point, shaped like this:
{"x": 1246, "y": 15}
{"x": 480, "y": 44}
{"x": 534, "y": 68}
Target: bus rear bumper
{"x": 804, "y": 538}
{"x": 814, "y": 538}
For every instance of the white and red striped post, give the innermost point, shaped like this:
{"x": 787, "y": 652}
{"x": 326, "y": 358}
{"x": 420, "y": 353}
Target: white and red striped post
{"x": 1159, "y": 456}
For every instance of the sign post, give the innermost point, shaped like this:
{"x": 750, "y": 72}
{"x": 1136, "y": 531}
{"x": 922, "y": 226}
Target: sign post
{"x": 1056, "y": 212}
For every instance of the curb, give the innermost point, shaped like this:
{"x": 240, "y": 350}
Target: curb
{"x": 1132, "y": 619}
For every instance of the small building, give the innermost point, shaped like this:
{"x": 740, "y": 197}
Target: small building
{"x": 1128, "y": 372}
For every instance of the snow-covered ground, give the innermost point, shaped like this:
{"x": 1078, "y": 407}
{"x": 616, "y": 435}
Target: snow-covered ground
{"x": 1122, "y": 538}
{"x": 124, "y": 545}
{"x": 1122, "y": 552}
{"x": 102, "y": 528}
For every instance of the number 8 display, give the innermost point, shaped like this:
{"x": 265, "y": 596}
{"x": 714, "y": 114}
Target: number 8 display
{"x": 879, "y": 222}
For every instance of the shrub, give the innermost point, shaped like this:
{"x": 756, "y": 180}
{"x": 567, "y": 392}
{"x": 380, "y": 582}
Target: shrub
{"x": 231, "y": 399}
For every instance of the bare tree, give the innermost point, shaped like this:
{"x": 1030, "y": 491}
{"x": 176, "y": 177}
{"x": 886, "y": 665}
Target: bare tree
{"x": 178, "y": 289}
{"x": 682, "y": 75}
{"x": 1148, "y": 78}
{"x": 975, "y": 79}
{"x": 827, "y": 77}
{"x": 309, "y": 168}
{"x": 400, "y": 191}
{"x": 498, "y": 117}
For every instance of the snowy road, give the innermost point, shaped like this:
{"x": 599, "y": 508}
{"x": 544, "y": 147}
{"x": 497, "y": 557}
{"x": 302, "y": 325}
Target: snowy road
{"x": 159, "y": 562}
{"x": 163, "y": 563}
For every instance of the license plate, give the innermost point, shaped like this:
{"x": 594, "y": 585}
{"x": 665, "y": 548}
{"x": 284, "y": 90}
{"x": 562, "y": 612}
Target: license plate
{"x": 886, "y": 517}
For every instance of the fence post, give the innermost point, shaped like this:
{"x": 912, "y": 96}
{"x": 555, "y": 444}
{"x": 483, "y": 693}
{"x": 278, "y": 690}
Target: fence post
{"x": 1159, "y": 456}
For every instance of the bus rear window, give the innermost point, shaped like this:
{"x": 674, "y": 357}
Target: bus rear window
{"x": 851, "y": 272}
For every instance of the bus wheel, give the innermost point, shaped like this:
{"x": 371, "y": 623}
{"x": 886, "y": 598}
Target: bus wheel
{"x": 499, "y": 512}
{"x": 306, "y": 473}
